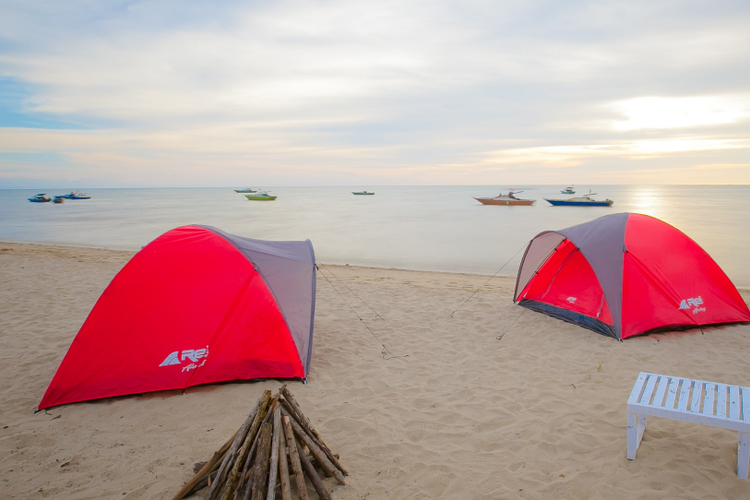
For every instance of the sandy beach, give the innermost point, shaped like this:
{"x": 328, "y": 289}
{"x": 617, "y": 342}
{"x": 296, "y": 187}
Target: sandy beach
{"x": 425, "y": 390}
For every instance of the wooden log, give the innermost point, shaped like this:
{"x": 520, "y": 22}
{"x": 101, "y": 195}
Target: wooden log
{"x": 312, "y": 475}
{"x": 246, "y": 495}
{"x": 234, "y": 477}
{"x": 248, "y": 461}
{"x": 226, "y": 464}
{"x": 260, "y": 469}
{"x": 286, "y": 487}
{"x": 307, "y": 422}
{"x": 291, "y": 446}
{"x": 315, "y": 462}
{"x": 273, "y": 471}
{"x": 289, "y": 411}
{"x": 321, "y": 457}
{"x": 203, "y": 473}
{"x": 246, "y": 474}
{"x": 239, "y": 438}
{"x": 246, "y": 484}
{"x": 201, "y": 484}
{"x": 304, "y": 422}
{"x": 295, "y": 406}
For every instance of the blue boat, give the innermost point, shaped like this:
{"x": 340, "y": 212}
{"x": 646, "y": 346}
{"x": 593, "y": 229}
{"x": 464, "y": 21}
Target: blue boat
{"x": 581, "y": 201}
{"x": 40, "y": 198}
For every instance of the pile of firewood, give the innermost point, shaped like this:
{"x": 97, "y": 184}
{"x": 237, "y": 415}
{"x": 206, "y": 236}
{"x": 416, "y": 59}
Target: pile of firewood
{"x": 255, "y": 463}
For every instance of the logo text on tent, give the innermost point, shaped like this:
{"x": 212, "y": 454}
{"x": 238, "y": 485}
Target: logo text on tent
{"x": 572, "y": 300}
{"x": 191, "y": 355}
{"x": 697, "y": 302}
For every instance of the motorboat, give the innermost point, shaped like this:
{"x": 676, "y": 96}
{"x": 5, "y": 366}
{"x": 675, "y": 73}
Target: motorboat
{"x": 74, "y": 195}
{"x": 505, "y": 199}
{"x": 40, "y": 198}
{"x": 260, "y": 196}
{"x": 582, "y": 201}
{"x": 568, "y": 190}
{"x": 367, "y": 193}
{"x": 246, "y": 190}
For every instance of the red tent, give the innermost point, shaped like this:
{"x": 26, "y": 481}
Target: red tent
{"x": 195, "y": 306}
{"x": 626, "y": 274}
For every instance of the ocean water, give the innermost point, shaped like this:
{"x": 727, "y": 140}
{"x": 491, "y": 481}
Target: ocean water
{"x": 432, "y": 228}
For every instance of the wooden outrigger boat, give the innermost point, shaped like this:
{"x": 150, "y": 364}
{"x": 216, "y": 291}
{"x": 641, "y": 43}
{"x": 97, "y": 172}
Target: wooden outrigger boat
{"x": 505, "y": 199}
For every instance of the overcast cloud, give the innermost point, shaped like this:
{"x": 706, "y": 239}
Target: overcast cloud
{"x": 199, "y": 93}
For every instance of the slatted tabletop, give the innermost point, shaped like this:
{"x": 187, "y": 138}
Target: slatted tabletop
{"x": 722, "y": 405}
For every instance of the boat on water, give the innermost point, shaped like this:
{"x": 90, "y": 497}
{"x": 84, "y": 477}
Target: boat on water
{"x": 361, "y": 193}
{"x": 568, "y": 190}
{"x": 40, "y": 198}
{"x": 74, "y": 195}
{"x": 582, "y": 201}
{"x": 260, "y": 196}
{"x": 505, "y": 199}
{"x": 246, "y": 190}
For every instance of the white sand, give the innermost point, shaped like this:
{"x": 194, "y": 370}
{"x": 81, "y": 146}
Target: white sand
{"x": 448, "y": 411}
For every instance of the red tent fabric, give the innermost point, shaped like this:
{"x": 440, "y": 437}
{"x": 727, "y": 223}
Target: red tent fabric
{"x": 626, "y": 274}
{"x": 195, "y": 306}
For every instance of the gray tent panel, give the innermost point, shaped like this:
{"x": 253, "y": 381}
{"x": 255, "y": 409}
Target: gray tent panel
{"x": 288, "y": 267}
{"x": 602, "y": 242}
{"x": 537, "y": 253}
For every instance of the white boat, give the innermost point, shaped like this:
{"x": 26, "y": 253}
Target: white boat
{"x": 261, "y": 196}
{"x": 74, "y": 195}
{"x": 568, "y": 190}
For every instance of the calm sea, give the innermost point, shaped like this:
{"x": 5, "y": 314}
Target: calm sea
{"x": 434, "y": 228}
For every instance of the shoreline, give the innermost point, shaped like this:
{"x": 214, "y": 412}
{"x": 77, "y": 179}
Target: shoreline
{"x": 742, "y": 289}
{"x": 448, "y": 390}
{"x": 132, "y": 251}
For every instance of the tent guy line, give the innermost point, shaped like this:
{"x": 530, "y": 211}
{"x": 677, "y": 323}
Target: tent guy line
{"x": 321, "y": 265}
{"x": 450, "y": 316}
{"x": 387, "y": 354}
{"x": 500, "y": 337}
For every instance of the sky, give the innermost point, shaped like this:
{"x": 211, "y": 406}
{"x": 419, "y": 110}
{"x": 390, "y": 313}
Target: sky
{"x": 122, "y": 93}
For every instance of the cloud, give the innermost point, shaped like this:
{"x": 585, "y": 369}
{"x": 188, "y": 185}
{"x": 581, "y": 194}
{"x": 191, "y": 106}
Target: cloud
{"x": 565, "y": 156}
{"x": 400, "y": 92}
{"x": 682, "y": 112}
